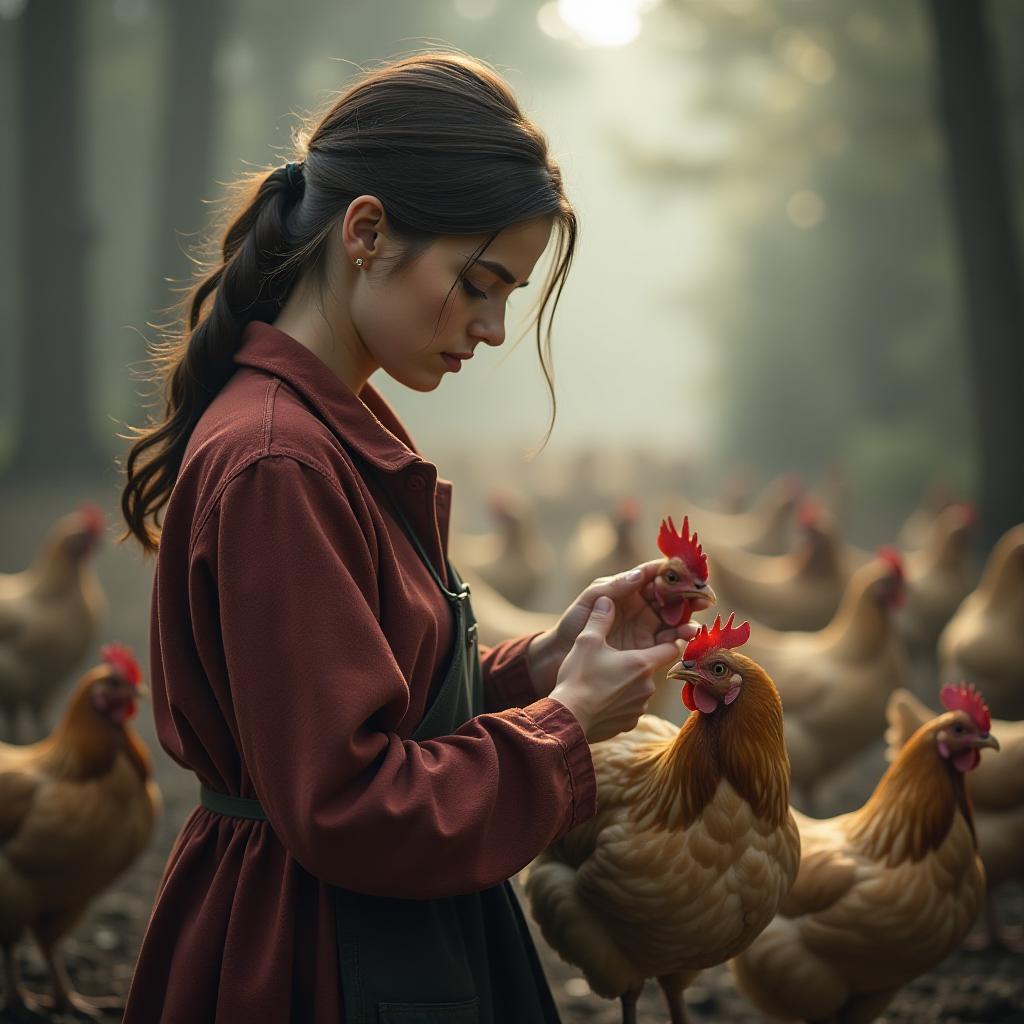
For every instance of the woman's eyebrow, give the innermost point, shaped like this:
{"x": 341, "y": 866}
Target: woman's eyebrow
{"x": 501, "y": 270}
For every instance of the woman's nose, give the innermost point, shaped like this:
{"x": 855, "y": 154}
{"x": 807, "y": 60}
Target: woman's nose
{"x": 490, "y": 331}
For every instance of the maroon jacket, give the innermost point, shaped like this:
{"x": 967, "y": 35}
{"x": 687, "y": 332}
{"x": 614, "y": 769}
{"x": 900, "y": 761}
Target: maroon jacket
{"x": 295, "y": 636}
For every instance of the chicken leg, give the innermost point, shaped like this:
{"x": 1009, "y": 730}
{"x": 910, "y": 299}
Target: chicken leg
{"x": 66, "y": 999}
{"x": 629, "y": 1005}
{"x": 18, "y": 1004}
{"x": 673, "y": 985}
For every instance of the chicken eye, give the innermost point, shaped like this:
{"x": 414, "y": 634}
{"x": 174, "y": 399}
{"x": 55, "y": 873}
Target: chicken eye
{"x": 671, "y": 576}
{"x": 958, "y": 727}
{"x": 718, "y": 668}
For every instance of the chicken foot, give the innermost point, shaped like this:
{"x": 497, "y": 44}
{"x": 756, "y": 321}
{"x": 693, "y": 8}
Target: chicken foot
{"x": 66, "y": 999}
{"x": 18, "y": 1004}
{"x": 995, "y": 935}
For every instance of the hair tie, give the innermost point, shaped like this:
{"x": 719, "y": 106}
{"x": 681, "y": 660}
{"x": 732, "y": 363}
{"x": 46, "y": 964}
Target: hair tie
{"x": 293, "y": 172}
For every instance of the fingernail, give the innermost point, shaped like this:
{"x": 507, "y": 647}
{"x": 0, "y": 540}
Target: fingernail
{"x": 633, "y": 575}
{"x": 603, "y": 604}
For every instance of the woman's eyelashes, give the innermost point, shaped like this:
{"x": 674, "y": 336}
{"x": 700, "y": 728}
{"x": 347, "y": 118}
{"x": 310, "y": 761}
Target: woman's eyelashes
{"x": 471, "y": 289}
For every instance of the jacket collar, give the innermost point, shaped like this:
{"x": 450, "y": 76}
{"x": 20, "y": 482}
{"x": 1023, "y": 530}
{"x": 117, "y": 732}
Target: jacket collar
{"x": 365, "y": 421}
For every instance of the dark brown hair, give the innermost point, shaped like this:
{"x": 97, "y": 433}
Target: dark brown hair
{"x": 439, "y": 138}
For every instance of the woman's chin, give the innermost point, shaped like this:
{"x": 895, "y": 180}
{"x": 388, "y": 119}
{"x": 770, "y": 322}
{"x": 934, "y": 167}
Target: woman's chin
{"x": 423, "y": 382}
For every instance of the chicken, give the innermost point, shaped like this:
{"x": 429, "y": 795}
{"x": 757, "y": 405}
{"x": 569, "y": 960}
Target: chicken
{"x": 50, "y": 614}
{"x": 939, "y": 577}
{"x": 984, "y": 641}
{"x": 498, "y": 619}
{"x": 883, "y": 893}
{"x": 763, "y": 529}
{"x": 997, "y": 793}
{"x": 915, "y": 531}
{"x": 515, "y": 560}
{"x": 835, "y": 683}
{"x": 693, "y": 846}
{"x": 800, "y": 590}
{"x": 76, "y": 809}
{"x": 603, "y": 545}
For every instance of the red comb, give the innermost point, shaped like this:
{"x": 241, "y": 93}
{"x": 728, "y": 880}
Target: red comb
{"x": 122, "y": 661}
{"x": 894, "y": 560}
{"x": 809, "y": 513}
{"x": 629, "y": 509}
{"x": 95, "y": 520}
{"x": 720, "y": 636}
{"x": 966, "y": 698}
{"x": 682, "y": 545}
{"x": 969, "y": 511}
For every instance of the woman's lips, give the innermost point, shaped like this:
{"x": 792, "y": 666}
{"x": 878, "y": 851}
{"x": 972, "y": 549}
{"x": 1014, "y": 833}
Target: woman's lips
{"x": 454, "y": 363}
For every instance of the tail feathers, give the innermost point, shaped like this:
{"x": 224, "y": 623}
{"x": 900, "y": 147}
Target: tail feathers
{"x": 905, "y": 714}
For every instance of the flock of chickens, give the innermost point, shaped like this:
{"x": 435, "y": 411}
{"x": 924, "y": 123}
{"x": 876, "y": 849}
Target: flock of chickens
{"x": 695, "y": 856}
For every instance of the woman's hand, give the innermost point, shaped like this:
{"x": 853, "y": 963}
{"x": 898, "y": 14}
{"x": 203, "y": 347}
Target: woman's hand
{"x": 636, "y": 626}
{"x": 607, "y": 689}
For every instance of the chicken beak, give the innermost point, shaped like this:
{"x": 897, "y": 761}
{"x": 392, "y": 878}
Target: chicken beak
{"x": 142, "y": 690}
{"x": 704, "y": 594}
{"x": 678, "y": 671}
{"x": 987, "y": 741}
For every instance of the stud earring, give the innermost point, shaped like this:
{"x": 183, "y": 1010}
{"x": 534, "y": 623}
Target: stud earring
{"x": 359, "y": 261}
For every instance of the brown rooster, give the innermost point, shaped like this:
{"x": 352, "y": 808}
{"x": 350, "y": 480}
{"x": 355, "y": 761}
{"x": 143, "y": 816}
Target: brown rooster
{"x": 884, "y": 893}
{"x": 49, "y": 616}
{"x": 76, "y": 809}
{"x": 693, "y": 846}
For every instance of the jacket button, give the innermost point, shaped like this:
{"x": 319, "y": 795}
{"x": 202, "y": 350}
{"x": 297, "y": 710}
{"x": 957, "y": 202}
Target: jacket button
{"x": 416, "y": 482}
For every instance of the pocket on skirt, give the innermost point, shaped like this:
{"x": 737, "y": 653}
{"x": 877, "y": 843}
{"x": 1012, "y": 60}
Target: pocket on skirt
{"x": 465, "y": 1011}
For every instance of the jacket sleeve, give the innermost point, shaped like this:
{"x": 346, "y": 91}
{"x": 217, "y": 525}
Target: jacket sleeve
{"x": 507, "y": 680}
{"x": 312, "y": 680}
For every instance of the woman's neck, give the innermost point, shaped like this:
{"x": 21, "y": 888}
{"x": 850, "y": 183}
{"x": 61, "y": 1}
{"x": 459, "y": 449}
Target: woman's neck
{"x": 329, "y": 334}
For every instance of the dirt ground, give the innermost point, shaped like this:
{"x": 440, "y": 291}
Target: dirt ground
{"x": 967, "y": 988}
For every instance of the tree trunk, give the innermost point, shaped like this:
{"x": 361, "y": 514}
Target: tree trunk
{"x": 53, "y": 427}
{"x": 973, "y": 119}
{"x": 190, "y": 106}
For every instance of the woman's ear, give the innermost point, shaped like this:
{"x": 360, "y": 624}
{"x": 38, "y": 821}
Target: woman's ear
{"x": 363, "y": 229}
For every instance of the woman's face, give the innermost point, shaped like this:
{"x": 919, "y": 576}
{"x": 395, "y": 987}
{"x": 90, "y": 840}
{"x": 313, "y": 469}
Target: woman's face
{"x": 399, "y": 320}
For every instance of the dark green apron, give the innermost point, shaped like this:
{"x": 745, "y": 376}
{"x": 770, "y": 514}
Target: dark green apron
{"x": 457, "y": 960}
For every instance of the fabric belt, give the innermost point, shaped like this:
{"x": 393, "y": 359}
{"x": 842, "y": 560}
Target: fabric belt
{"x": 232, "y": 806}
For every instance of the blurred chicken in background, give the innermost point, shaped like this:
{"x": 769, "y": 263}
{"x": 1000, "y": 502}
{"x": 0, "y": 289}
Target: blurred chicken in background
{"x": 498, "y": 619}
{"x": 940, "y": 574}
{"x": 917, "y": 527}
{"x": 515, "y": 560}
{"x": 76, "y": 809}
{"x": 835, "y": 682}
{"x": 799, "y": 590}
{"x": 984, "y": 640}
{"x": 885, "y": 893}
{"x": 997, "y": 795}
{"x": 604, "y": 546}
{"x": 50, "y": 615}
{"x": 763, "y": 530}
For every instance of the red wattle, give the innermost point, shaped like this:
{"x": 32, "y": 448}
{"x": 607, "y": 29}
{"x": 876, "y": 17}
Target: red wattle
{"x": 688, "y": 696}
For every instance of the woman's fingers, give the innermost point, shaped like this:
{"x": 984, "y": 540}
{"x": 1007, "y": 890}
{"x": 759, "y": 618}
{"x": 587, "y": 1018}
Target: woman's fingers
{"x": 602, "y": 615}
{"x": 622, "y": 585}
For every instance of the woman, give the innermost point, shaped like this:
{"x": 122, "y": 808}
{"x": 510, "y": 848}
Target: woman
{"x": 370, "y": 779}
